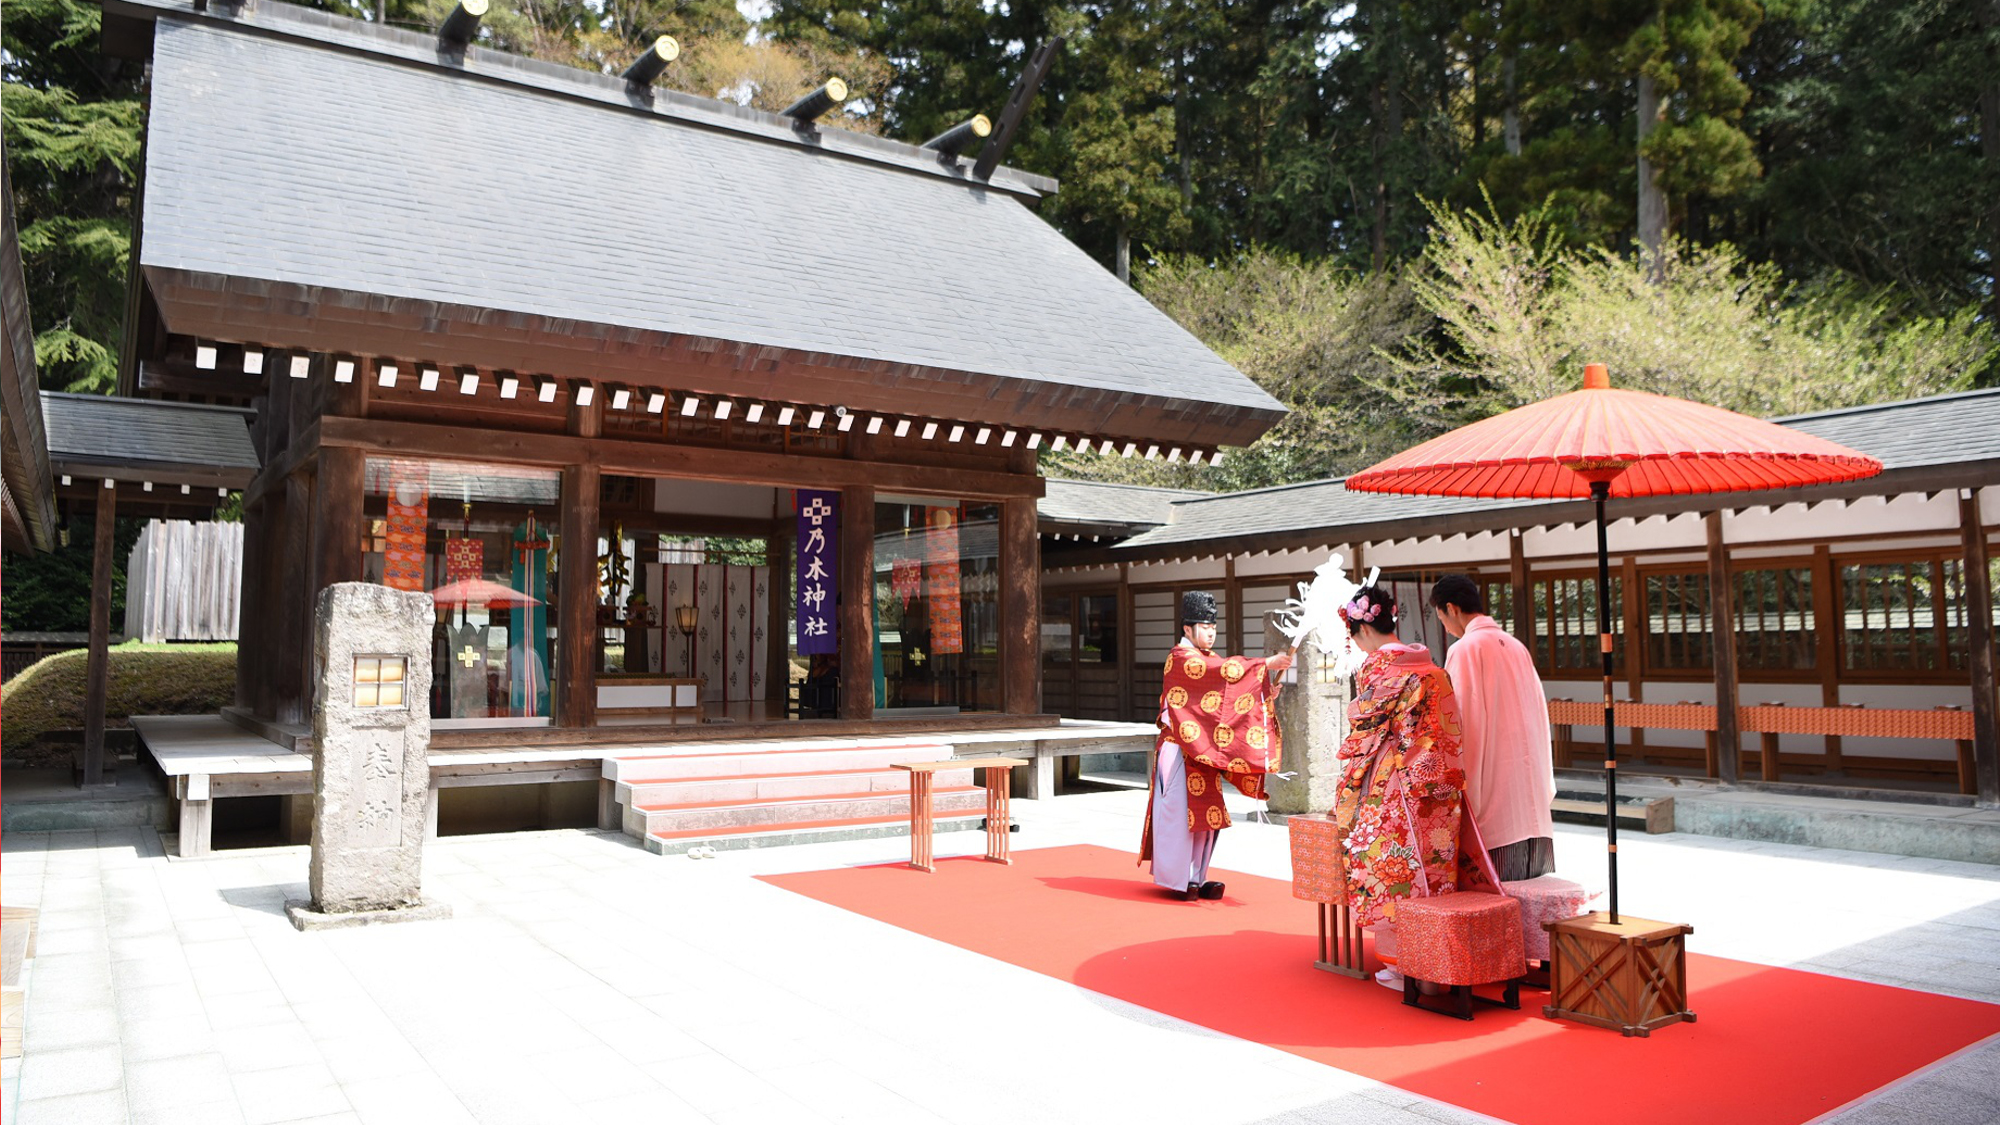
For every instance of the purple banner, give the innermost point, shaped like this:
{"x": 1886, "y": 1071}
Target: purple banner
{"x": 819, "y": 555}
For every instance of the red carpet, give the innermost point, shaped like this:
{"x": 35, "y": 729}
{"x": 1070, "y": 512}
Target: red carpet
{"x": 1771, "y": 1045}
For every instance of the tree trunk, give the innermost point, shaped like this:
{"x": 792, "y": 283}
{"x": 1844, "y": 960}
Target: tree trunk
{"x": 1989, "y": 146}
{"x": 1510, "y": 120}
{"x": 1124, "y": 254}
{"x": 1385, "y": 111}
{"x": 1652, "y": 201}
{"x": 1181, "y": 129}
{"x": 1379, "y": 226}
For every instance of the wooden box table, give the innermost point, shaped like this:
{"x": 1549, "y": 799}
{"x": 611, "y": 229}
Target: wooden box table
{"x": 999, "y": 783}
{"x": 1630, "y": 976}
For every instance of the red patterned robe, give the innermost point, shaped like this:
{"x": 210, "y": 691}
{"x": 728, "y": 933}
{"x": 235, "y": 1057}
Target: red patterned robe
{"x": 1217, "y": 711}
{"x": 1401, "y": 809}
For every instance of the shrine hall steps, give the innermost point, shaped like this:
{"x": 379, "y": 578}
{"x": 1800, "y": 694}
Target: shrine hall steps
{"x": 771, "y": 797}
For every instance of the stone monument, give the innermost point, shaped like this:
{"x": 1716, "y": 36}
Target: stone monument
{"x": 1312, "y": 715}
{"x": 371, "y": 761}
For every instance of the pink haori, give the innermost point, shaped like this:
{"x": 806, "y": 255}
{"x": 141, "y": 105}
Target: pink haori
{"x": 1461, "y": 939}
{"x": 1319, "y": 871}
{"x": 1545, "y": 898}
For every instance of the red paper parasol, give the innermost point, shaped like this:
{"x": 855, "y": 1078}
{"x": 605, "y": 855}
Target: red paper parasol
{"x": 480, "y": 591}
{"x": 1599, "y": 442}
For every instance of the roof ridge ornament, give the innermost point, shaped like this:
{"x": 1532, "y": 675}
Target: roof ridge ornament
{"x": 459, "y": 28}
{"x": 653, "y": 63}
{"x": 1017, "y": 108}
{"x": 807, "y": 109}
{"x": 956, "y": 139}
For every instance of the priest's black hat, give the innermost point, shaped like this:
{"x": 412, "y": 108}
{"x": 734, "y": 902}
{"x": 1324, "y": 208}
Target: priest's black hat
{"x": 1197, "y": 608}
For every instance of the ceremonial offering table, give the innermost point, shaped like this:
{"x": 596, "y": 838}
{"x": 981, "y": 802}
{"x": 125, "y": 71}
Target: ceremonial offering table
{"x": 999, "y": 782}
{"x": 1319, "y": 875}
{"x": 1630, "y": 975}
{"x": 1460, "y": 940}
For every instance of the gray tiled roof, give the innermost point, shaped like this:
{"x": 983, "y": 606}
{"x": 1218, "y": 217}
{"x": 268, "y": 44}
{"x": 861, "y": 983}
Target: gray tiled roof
{"x": 142, "y": 433}
{"x": 297, "y": 162}
{"x": 1097, "y": 503}
{"x": 1941, "y": 430}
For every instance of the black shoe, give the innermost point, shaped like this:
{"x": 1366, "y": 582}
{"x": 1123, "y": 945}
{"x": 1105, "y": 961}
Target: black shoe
{"x": 1193, "y": 891}
{"x": 1211, "y": 890}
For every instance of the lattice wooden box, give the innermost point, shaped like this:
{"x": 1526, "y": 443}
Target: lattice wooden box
{"x": 1630, "y": 976}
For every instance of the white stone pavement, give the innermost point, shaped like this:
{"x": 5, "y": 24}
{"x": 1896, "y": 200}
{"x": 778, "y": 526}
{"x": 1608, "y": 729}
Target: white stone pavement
{"x": 582, "y": 978}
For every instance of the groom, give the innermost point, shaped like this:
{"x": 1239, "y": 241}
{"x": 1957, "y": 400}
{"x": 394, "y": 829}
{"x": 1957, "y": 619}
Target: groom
{"x": 1215, "y": 722}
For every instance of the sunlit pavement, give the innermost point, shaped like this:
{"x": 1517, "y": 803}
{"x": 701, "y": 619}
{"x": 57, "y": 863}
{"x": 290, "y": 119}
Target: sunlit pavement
{"x": 581, "y": 977}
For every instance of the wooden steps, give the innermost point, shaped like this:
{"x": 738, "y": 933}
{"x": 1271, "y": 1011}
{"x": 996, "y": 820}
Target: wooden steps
{"x": 765, "y": 797}
{"x": 1651, "y": 815}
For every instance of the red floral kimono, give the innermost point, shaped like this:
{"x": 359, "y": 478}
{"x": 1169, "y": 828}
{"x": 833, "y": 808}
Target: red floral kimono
{"x": 1401, "y": 806}
{"x": 1216, "y": 711}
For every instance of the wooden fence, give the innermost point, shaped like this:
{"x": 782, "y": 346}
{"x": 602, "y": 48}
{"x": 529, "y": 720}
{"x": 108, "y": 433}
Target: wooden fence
{"x": 18, "y": 650}
{"x": 184, "y": 582}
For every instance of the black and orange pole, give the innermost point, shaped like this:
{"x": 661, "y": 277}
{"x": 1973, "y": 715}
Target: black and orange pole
{"x": 1600, "y": 490}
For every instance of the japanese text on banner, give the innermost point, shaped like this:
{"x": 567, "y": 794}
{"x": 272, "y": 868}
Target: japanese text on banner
{"x": 819, "y": 553}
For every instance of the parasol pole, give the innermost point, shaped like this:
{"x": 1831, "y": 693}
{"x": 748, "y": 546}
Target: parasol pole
{"x": 1599, "y": 490}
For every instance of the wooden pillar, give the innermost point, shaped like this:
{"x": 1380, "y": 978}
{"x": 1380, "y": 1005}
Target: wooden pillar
{"x": 1232, "y": 611}
{"x": 98, "y": 669}
{"x": 857, "y": 603}
{"x": 1826, "y": 643}
{"x": 294, "y": 619}
{"x": 1722, "y": 630}
{"x": 1632, "y": 604}
{"x": 1020, "y": 608}
{"x": 336, "y": 549}
{"x": 1523, "y": 596}
{"x": 277, "y": 414}
{"x": 778, "y": 672}
{"x": 1128, "y": 645}
{"x": 250, "y": 635}
{"x": 1979, "y": 657}
{"x": 271, "y": 589}
{"x": 576, "y": 600}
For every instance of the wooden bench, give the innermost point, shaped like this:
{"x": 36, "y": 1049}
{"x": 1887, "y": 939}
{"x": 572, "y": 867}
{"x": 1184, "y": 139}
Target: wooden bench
{"x": 999, "y": 782}
{"x": 1768, "y": 721}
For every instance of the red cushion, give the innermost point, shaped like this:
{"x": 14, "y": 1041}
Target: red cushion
{"x": 1464, "y": 938}
{"x": 1545, "y": 898}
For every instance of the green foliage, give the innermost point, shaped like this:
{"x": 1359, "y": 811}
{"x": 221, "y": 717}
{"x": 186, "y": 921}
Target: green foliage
{"x": 1500, "y": 313}
{"x": 49, "y": 591}
{"x": 1867, "y": 116}
{"x": 48, "y": 695}
{"x": 1522, "y": 315}
{"x": 72, "y": 123}
{"x": 1315, "y": 336}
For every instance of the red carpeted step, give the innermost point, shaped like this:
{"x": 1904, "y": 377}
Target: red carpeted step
{"x": 833, "y": 746}
{"x": 678, "y": 767}
{"x": 768, "y": 786}
{"x": 799, "y": 826}
{"x": 757, "y": 815}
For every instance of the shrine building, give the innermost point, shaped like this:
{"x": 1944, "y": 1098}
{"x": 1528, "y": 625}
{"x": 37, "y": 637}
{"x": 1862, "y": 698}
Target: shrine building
{"x": 656, "y": 394}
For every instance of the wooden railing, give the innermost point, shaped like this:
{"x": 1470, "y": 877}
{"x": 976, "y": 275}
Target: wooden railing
{"x": 1768, "y": 721}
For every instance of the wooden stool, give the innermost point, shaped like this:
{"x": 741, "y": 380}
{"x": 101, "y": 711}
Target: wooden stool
{"x": 1460, "y": 940}
{"x": 999, "y": 782}
{"x": 1319, "y": 875}
{"x": 1545, "y": 898}
{"x": 1630, "y": 976}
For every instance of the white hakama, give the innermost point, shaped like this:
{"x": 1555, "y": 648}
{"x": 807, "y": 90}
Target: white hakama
{"x": 1180, "y": 856}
